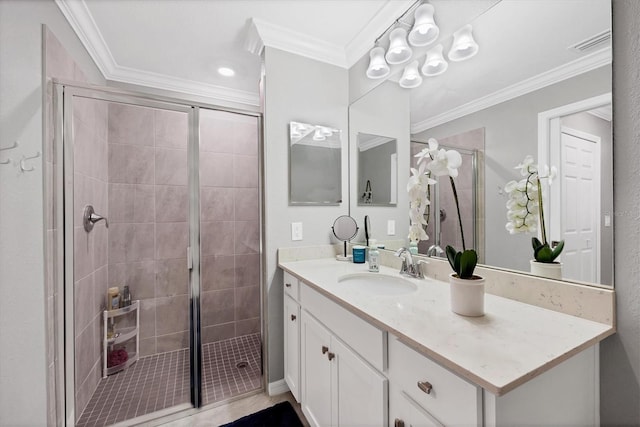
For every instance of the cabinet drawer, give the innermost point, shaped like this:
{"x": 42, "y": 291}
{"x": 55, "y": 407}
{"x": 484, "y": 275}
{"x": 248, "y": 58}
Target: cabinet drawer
{"x": 448, "y": 398}
{"x": 365, "y": 339}
{"x": 291, "y": 286}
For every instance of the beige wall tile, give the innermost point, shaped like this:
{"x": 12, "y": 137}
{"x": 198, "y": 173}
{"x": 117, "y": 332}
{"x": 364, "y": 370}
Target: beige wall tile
{"x": 218, "y": 272}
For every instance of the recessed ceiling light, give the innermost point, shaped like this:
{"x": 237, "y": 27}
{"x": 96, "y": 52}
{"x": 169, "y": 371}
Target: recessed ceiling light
{"x": 226, "y": 71}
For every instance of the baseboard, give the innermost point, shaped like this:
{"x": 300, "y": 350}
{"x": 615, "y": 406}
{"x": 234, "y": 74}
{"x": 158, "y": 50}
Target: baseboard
{"x": 277, "y": 387}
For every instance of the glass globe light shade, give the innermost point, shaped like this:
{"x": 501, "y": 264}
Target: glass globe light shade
{"x": 464, "y": 46}
{"x": 411, "y": 77}
{"x": 378, "y": 67}
{"x": 424, "y": 31}
{"x": 435, "y": 63}
{"x": 399, "y": 51}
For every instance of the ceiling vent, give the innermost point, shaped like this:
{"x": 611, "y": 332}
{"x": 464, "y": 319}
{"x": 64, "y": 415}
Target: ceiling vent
{"x": 592, "y": 42}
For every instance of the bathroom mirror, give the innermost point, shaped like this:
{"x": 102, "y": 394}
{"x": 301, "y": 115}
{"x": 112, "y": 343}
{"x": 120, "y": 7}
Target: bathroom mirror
{"x": 315, "y": 175}
{"x": 377, "y": 170}
{"x": 520, "y": 98}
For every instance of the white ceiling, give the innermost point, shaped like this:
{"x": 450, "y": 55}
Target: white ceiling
{"x": 179, "y": 44}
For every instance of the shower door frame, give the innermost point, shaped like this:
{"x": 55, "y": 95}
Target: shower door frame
{"x": 63, "y": 92}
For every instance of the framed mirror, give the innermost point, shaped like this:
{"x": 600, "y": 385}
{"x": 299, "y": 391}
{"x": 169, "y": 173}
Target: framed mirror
{"x": 377, "y": 170}
{"x": 315, "y": 173}
{"x": 522, "y": 91}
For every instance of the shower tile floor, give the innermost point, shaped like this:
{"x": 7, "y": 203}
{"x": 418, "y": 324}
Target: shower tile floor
{"x": 229, "y": 368}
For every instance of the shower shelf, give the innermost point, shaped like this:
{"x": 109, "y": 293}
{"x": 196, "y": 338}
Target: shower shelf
{"x": 123, "y": 335}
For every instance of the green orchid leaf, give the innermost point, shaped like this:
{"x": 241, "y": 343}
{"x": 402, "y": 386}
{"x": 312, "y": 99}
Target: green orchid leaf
{"x": 468, "y": 261}
{"x": 451, "y": 257}
{"x": 556, "y": 251}
{"x": 536, "y": 243}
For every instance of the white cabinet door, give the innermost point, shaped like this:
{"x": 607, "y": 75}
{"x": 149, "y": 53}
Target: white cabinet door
{"x": 360, "y": 392}
{"x": 292, "y": 345}
{"x": 316, "y": 371}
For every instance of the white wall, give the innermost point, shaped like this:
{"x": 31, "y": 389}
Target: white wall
{"x": 23, "y": 375}
{"x": 620, "y": 353}
{"x": 308, "y": 91}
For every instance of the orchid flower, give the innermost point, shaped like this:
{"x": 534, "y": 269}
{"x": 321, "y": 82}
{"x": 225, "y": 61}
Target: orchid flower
{"x": 525, "y": 211}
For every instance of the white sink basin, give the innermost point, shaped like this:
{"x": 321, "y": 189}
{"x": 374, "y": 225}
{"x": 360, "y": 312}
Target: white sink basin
{"x": 378, "y": 284}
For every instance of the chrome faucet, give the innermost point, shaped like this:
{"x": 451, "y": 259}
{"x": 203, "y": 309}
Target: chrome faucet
{"x": 409, "y": 266}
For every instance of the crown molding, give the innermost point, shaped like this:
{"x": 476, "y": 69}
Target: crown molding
{"x": 579, "y": 66}
{"x": 383, "y": 19}
{"x": 300, "y": 44}
{"x": 79, "y": 17}
{"x": 190, "y": 87}
{"x": 81, "y": 20}
{"x": 373, "y": 143}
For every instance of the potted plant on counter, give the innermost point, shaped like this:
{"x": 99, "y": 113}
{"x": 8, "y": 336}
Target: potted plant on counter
{"x": 466, "y": 288}
{"x": 525, "y": 213}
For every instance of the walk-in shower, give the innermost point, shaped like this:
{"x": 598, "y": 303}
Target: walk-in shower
{"x": 179, "y": 187}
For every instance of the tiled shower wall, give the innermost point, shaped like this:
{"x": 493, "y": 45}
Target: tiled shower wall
{"x": 90, "y": 123}
{"x": 90, "y": 248}
{"x": 148, "y": 213}
{"x": 230, "y": 227}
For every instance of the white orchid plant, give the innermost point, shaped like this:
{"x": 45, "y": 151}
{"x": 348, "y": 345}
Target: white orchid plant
{"x": 432, "y": 162}
{"x": 525, "y": 209}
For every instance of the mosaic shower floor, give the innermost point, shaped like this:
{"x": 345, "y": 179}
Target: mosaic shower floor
{"x": 229, "y": 368}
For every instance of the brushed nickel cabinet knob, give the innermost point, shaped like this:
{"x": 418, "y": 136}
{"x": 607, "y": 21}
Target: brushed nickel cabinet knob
{"x": 331, "y": 356}
{"x": 324, "y": 349}
{"x": 398, "y": 423}
{"x": 293, "y": 317}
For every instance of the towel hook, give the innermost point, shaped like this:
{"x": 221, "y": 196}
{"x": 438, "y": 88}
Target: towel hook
{"x": 23, "y": 167}
{"x": 11, "y": 147}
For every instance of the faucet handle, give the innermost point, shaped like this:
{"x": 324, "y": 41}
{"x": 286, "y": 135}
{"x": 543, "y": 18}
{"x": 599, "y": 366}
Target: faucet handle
{"x": 419, "y": 272}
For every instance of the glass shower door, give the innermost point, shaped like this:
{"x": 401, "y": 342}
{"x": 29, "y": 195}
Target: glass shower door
{"x": 128, "y": 158}
{"x": 230, "y": 249}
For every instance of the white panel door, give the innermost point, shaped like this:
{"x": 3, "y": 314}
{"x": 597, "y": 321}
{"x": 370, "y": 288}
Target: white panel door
{"x": 580, "y": 201}
{"x": 361, "y": 390}
{"x": 316, "y": 371}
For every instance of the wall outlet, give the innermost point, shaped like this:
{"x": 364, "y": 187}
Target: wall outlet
{"x": 296, "y": 231}
{"x": 391, "y": 227}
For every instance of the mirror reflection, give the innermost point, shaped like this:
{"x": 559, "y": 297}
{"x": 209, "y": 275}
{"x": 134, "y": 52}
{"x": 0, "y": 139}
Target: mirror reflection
{"x": 315, "y": 154}
{"x": 556, "y": 110}
{"x": 377, "y": 170}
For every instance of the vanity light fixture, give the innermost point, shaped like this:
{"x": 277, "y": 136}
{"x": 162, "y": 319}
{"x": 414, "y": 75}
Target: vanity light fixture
{"x": 399, "y": 51}
{"x": 378, "y": 67}
{"x": 434, "y": 64}
{"x": 424, "y": 31}
{"x": 319, "y": 135}
{"x": 411, "y": 77}
{"x": 226, "y": 71}
{"x": 464, "y": 46}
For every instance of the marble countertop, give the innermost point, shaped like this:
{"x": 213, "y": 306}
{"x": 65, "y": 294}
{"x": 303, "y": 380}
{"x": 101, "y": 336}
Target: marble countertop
{"x": 511, "y": 344}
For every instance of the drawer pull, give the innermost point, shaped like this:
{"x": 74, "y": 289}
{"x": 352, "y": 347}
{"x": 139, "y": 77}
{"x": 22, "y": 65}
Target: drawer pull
{"x": 398, "y": 423}
{"x": 293, "y": 317}
{"x": 331, "y": 356}
{"x": 288, "y": 285}
{"x": 425, "y": 386}
{"x": 324, "y": 349}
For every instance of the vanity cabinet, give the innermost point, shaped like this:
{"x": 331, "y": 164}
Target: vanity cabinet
{"x": 423, "y": 393}
{"x": 337, "y": 384}
{"x": 292, "y": 335}
{"x": 339, "y": 388}
{"x": 423, "y": 390}
{"x": 346, "y": 371}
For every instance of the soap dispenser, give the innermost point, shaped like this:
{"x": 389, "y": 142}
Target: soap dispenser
{"x": 374, "y": 256}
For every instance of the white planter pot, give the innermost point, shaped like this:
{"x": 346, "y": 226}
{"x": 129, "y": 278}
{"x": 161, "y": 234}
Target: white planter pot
{"x": 551, "y": 270}
{"x": 467, "y": 295}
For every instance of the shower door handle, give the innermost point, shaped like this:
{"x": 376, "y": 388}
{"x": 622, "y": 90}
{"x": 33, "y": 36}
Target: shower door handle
{"x": 189, "y": 258}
